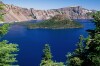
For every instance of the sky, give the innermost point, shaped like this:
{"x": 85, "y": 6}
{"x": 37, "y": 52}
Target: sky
{"x": 54, "y": 4}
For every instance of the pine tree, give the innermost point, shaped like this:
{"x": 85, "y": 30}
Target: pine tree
{"x": 47, "y": 53}
{"x": 6, "y": 53}
{"x": 74, "y": 59}
{"x": 47, "y": 58}
{"x": 88, "y": 52}
{"x": 4, "y": 30}
{"x": 94, "y": 44}
{"x": 7, "y": 50}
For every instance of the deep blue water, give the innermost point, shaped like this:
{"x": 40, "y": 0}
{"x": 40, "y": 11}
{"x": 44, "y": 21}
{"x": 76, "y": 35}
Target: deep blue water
{"x": 31, "y": 42}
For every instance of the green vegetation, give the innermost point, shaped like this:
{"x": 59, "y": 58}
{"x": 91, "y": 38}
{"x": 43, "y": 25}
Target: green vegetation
{"x": 6, "y": 53}
{"x": 87, "y": 52}
{"x": 1, "y": 15}
{"x": 47, "y": 58}
{"x": 7, "y": 50}
{"x": 53, "y": 23}
{"x": 74, "y": 59}
{"x": 56, "y": 22}
{"x": 3, "y": 30}
{"x": 96, "y": 17}
{"x": 47, "y": 53}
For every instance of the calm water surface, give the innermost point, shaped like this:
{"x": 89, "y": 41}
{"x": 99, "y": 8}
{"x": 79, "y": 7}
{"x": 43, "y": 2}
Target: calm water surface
{"x": 31, "y": 42}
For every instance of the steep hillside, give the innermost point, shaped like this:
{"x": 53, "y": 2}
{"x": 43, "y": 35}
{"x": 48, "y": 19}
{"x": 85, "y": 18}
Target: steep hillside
{"x": 15, "y": 13}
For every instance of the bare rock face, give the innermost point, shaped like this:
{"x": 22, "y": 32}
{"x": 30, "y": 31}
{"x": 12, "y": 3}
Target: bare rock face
{"x": 15, "y": 13}
{"x": 70, "y": 12}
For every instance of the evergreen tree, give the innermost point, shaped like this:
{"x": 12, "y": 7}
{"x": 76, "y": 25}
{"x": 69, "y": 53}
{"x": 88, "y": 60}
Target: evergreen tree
{"x": 3, "y": 30}
{"x": 80, "y": 45}
{"x": 7, "y": 50}
{"x": 96, "y": 17}
{"x": 94, "y": 42}
{"x": 74, "y": 59}
{"x": 87, "y": 52}
{"x": 47, "y": 52}
{"x": 6, "y": 53}
{"x": 47, "y": 58}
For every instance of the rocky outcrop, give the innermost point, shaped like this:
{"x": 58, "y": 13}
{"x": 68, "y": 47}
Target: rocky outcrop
{"x": 15, "y": 13}
{"x": 71, "y": 12}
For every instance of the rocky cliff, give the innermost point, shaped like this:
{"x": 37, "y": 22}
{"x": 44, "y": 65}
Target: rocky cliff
{"x": 70, "y": 12}
{"x": 15, "y": 13}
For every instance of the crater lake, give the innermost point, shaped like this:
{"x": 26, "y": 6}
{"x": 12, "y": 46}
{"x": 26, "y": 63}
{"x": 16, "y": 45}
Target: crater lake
{"x": 31, "y": 42}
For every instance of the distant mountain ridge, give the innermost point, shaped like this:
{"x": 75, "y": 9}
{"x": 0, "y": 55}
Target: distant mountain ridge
{"x": 15, "y": 13}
